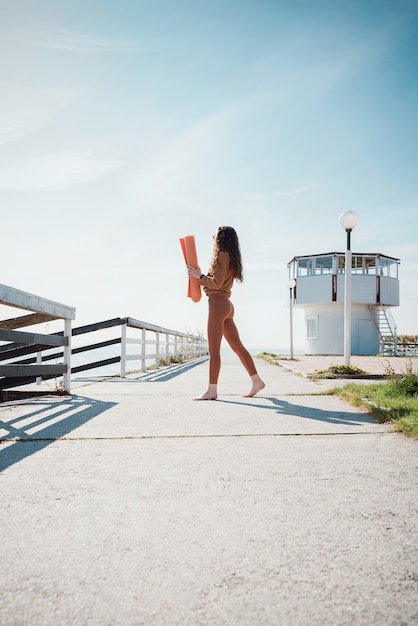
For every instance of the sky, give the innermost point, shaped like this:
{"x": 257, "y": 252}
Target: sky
{"x": 128, "y": 124}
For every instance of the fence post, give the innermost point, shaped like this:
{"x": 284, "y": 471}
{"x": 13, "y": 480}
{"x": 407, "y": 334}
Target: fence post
{"x": 67, "y": 356}
{"x": 38, "y": 362}
{"x": 144, "y": 349}
{"x": 157, "y": 350}
{"x": 167, "y": 349}
{"x": 123, "y": 352}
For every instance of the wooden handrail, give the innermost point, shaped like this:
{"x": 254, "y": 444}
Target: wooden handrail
{"x": 174, "y": 345}
{"x": 42, "y": 310}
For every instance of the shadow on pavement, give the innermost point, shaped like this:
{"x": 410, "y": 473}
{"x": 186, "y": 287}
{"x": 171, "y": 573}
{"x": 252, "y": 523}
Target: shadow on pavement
{"x": 151, "y": 376}
{"x": 162, "y": 376}
{"x": 44, "y": 422}
{"x": 282, "y": 407}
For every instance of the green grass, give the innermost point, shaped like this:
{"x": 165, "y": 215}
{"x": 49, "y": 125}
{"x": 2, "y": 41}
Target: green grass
{"x": 272, "y": 358}
{"x": 395, "y": 400}
{"x": 387, "y": 403}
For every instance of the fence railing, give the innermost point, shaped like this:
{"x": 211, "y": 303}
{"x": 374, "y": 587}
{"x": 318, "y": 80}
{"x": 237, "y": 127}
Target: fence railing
{"x": 156, "y": 346}
{"x": 406, "y": 347}
{"x": 17, "y": 343}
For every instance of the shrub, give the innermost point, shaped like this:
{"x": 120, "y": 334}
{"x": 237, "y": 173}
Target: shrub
{"x": 336, "y": 371}
{"x": 404, "y": 384}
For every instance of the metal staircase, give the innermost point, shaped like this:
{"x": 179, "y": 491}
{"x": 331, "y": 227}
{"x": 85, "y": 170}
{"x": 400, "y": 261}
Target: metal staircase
{"x": 385, "y": 324}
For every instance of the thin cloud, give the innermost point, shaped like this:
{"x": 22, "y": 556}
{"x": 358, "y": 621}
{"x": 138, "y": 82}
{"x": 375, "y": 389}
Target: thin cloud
{"x": 264, "y": 267}
{"x": 54, "y": 172}
{"x": 175, "y": 163}
{"x": 24, "y": 109}
{"x": 295, "y": 191}
{"x": 76, "y": 42}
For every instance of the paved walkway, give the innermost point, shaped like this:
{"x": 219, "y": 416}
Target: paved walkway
{"x": 374, "y": 365}
{"x": 130, "y": 504}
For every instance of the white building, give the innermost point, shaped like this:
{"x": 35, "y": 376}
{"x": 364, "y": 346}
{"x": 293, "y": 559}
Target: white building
{"x": 319, "y": 290}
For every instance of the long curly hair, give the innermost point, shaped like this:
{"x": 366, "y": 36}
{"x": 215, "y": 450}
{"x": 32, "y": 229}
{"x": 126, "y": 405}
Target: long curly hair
{"x": 226, "y": 240}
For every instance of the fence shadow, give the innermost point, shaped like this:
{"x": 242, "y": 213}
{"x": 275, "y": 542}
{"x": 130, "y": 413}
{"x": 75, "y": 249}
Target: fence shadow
{"x": 41, "y": 422}
{"x": 161, "y": 376}
{"x": 153, "y": 376}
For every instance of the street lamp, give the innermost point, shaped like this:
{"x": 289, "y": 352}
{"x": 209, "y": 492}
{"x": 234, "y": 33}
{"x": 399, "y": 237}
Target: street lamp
{"x": 291, "y": 285}
{"x": 348, "y": 221}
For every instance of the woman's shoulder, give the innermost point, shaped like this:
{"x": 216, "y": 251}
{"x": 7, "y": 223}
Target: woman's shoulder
{"x": 223, "y": 258}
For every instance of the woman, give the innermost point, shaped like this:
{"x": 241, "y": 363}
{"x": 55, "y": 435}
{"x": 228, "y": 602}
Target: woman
{"x": 226, "y": 266}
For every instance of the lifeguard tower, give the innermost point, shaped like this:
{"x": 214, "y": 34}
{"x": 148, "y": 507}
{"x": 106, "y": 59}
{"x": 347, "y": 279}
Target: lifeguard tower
{"x": 319, "y": 289}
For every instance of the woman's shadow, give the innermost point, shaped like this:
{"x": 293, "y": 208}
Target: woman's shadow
{"x": 282, "y": 407}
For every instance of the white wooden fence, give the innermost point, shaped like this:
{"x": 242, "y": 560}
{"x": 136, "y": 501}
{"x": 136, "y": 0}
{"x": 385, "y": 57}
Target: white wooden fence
{"x": 148, "y": 345}
{"x": 168, "y": 346}
{"x": 156, "y": 345}
{"x": 17, "y": 343}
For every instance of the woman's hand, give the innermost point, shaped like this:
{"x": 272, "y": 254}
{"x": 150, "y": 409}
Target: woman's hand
{"x": 194, "y": 272}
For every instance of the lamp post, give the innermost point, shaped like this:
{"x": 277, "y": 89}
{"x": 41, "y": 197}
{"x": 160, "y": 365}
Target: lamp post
{"x": 291, "y": 285}
{"x": 348, "y": 221}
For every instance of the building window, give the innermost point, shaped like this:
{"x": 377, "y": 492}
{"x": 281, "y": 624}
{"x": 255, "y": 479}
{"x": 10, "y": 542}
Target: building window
{"x": 305, "y": 267}
{"x": 340, "y": 264}
{"x": 312, "y": 327}
{"x": 388, "y": 267}
{"x": 356, "y": 264}
{"x": 370, "y": 264}
{"x": 316, "y": 266}
{"x": 324, "y": 265}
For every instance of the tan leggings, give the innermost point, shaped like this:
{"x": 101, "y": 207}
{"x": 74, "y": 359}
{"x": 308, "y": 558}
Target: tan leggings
{"x": 221, "y": 324}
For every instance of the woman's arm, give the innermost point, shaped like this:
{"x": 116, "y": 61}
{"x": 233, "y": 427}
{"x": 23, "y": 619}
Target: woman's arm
{"x": 218, "y": 272}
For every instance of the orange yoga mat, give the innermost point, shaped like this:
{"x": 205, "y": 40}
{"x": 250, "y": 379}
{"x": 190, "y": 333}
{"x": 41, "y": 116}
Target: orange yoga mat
{"x": 188, "y": 246}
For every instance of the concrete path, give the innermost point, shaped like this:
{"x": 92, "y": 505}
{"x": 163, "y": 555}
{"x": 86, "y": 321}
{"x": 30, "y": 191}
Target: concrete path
{"x": 130, "y": 504}
{"x": 375, "y": 365}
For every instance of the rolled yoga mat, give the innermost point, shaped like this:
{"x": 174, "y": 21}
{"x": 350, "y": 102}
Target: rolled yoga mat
{"x": 188, "y": 246}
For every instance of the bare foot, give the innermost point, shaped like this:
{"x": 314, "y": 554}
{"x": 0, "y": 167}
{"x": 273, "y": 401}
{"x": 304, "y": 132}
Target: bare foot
{"x": 210, "y": 394}
{"x": 206, "y": 396}
{"x": 257, "y": 386}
